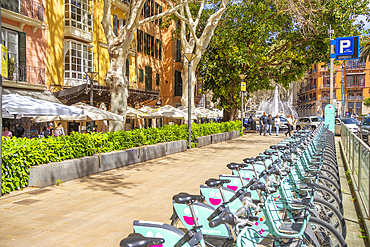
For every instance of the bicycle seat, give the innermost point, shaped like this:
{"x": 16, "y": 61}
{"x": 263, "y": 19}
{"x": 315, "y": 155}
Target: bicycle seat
{"x": 270, "y": 152}
{"x": 138, "y": 240}
{"x": 212, "y": 182}
{"x": 186, "y": 198}
{"x": 283, "y": 147}
{"x": 261, "y": 158}
{"x": 248, "y": 161}
{"x": 274, "y": 147}
{"x": 258, "y": 186}
{"x": 235, "y": 166}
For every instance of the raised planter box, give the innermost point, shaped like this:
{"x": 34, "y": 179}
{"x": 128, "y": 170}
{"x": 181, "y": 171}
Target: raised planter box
{"x": 211, "y": 139}
{"x": 48, "y": 174}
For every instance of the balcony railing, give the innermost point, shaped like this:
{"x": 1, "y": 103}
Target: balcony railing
{"x": 28, "y": 8}
{"x": 352, "y": 97}
{"x": 361, "y": 84}
{"x": 29, "y": 74}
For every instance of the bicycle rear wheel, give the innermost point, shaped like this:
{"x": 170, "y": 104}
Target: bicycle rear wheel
{"x": 321, "y": 233}
{"x": 328, "y": 213}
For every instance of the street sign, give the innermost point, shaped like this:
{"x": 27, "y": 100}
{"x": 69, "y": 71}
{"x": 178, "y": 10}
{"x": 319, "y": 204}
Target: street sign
{"x": 330, "y": 117}
{"x": 243, "y": 87}
{"x": 4, "y": 61}
{"x": 347, "y": 48}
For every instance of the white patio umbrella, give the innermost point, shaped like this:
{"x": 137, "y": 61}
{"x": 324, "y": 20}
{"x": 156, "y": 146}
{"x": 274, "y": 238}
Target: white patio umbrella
{"x": 146, "y": 109}
{"x": 133, "y": 113}
{"x": 167, "y": 111}
{"x": 91, "y": 113}
{"x": 15, "y": 104}
{"x": 194, "y": 112}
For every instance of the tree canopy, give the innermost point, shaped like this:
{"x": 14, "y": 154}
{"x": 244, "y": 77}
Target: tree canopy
{"x": 271, "y": 40}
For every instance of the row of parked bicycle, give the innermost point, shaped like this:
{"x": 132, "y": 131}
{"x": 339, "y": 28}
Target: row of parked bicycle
{"x": 287, "y": 196}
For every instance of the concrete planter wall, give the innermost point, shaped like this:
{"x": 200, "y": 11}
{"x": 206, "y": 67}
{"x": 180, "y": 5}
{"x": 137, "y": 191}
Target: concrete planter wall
{"x": 48, "y": 174}
{"x": 211, "y": 139}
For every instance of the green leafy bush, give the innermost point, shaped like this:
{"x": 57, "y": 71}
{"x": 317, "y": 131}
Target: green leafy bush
{"x": 21, "y": 153}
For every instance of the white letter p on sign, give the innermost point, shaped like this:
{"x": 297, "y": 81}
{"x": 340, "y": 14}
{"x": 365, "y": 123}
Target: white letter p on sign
{"x": 344, "y": 44}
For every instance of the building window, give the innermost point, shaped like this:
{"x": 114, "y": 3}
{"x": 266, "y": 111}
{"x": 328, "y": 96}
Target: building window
{"x": 326, "y": 81}
{"x": 178, "y": 83}
{"x": 16, "y": 45}
{"x": 139, "y": 41}
{"x": 141, "y": 75}
{"x": 156, "y": 12}
{"x": 355, "y": 80}
{"x": 157, "y": 79}
{"x": 178, "y": 51}
{"x": 148, "y": 78}
{"x": 152, "y": 45}
{"x": 10, "y": 40}
{"x": 78, "y": 14}
{"x": 156, "y": 48}
{"x": 78, "y": 59}
{"x": 160, "y": 50}
{"x": 160, "y": 11}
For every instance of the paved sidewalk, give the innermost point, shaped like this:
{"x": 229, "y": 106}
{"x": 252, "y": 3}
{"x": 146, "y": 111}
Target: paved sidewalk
{"x": 99, "y": 210}
{"x": 350, "y": 214}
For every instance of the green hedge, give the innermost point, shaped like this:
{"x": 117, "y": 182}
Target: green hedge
{"x": 21, "y": 153}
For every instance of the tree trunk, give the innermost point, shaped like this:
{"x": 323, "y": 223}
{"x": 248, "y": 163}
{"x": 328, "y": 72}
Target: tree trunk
{"x": 116, "y": 79}
{"x": 229, "y": 114}
{"x": 185, "y": 79}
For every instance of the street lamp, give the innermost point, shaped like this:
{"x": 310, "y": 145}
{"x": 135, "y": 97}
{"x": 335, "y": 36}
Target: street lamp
{"x": 190, "y": 57}
{"x": 242, "y": 89}
{"x": 91, "y": 75}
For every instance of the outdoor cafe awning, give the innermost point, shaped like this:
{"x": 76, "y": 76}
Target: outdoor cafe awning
{"x": 81, "y": 93}
{"x": 43, "y": 95}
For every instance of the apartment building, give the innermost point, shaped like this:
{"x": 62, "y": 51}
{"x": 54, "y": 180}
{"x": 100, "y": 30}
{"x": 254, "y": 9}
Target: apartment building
{"x": 351, "y": 86}
{"x": 23, "y": 33}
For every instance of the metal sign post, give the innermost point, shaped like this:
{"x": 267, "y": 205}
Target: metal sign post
{"x": 243, "y": 88}
{"x": 332, "y": 56}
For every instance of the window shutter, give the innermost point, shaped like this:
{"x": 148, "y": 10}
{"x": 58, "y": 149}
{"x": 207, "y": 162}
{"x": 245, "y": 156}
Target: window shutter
{"x": 152, "y": 8}
{"x": 156, "y": 12}
{"x": 141, "y": 75}
{"x": 160, "y": 11}
{"x": 22, "y": 56}
{"x": 160, "y": 49}
{"x": 152, "y": 45}
{"x": 115, "y": 24}
{"x": 127, "y": 70}
{"x": 145, "y": 44}
{"x": 146, "y": 9}
{"x": 138, "y": 40}
{"x": 157, "y": 79}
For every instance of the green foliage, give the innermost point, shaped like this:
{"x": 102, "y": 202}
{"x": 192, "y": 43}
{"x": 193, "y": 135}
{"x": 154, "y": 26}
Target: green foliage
{"x": 264, "y": 42}
{"x": 21, "y": 153}
{"x": 367, "y": 101}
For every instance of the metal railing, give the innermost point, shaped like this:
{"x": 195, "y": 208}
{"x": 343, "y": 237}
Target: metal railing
{"x": 355, "y": 97}
{"x": 29, "y": 74}
{"x": 357, "y": 153}
{"x": 28, "y": 8}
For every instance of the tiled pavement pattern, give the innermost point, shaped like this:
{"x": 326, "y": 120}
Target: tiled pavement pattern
{"x": 99, "y": 210}
{"x": 350, "y": 215}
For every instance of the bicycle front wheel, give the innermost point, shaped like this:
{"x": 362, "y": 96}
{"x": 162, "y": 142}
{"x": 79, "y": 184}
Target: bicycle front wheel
{"x": 321, "y": 233}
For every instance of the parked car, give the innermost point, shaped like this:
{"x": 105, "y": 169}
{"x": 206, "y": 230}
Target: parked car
{"x": 351, "y": 123}
{"x": 258, "y": 114}
{"x": 308, "y": 121}
{"x": 364, "y": 129}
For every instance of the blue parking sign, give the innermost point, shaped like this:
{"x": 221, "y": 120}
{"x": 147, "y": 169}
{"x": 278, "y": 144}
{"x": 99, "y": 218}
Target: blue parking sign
{"x": 347, "y": 48}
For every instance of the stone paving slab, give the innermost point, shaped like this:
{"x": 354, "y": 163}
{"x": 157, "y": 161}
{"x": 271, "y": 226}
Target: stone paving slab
{"x": 350, "y": 215}
{"x": 98, "y": 210}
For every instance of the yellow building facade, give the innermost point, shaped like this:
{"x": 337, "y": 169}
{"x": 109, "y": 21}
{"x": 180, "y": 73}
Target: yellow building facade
{"x": 351, "y": 87}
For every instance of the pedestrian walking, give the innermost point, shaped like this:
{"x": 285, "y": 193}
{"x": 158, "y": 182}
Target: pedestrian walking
{"x": 59, "y": 131}
{"x": 277, "y": 123}
{"x": 269, "y": 123}
{"x": 263, "y": 124}
{"x": 19, "y": 131}
{"x": 290, "y": 125}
